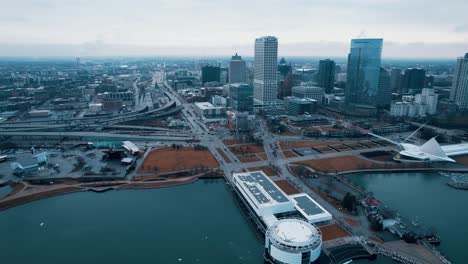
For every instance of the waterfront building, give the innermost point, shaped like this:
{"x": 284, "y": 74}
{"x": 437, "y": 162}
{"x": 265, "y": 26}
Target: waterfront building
{"x": 363, "y": 72}
{"x": 210, "y": 74}
{"x": 413, "y": 80}
{"x": 294, "y": 239}
{"x": 266, "y": 70}
{"x": 312, "y": 92}
{"x": 30, "y": 165}
{"x": 237, "y": 70}
{"x": 326, "y": 75}
{"x": 459, "y": 92}
{"x": 241, "y": 96}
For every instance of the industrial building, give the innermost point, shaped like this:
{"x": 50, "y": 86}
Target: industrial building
{"x": 208, "y": 110}
{"x": 291, "y": 235}
{"x": 29, "y": 165}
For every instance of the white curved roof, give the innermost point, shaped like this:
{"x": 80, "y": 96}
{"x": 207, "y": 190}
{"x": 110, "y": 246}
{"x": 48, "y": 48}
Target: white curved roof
{"x": 294, "y": 232}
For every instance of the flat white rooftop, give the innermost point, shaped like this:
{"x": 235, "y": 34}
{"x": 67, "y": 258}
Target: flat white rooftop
{"x": 310, "y": 209}
{"x": 261, "y": 188}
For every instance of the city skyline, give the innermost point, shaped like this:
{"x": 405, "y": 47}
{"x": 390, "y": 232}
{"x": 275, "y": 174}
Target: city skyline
{"x": 86, "y": 28}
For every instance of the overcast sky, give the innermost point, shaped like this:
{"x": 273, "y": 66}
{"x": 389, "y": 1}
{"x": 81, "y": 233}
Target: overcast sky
{"x": 412, "y": 29}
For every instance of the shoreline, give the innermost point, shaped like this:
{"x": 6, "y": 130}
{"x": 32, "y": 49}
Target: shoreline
{"x": 12, "y": 202}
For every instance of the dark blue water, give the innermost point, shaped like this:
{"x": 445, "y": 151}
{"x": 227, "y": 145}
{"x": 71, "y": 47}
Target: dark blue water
{"x": 427, "y": 198}
{"x": 195, "y": 223}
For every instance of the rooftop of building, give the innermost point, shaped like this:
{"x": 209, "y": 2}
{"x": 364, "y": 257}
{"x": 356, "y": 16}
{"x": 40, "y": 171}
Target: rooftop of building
{"x": 294, "y": 232}
{"x": 207, "y": 105}
{"x": 303, "y": 88}
{"x": 261, "y": 188}
{"x": 310, "y": 209}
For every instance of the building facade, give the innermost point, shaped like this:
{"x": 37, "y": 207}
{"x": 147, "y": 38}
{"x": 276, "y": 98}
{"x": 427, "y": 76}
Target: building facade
{"x": 237, "y": 70}
{"x": 210, "y": 74}
{"x": 266, "y": 70}
{"x": 312, "y": 92}
{"x": 241, "y": 96}
{"x": 364, "y": 59}
{"x": 459, "y": 92}
{"x": 413, "y": 80}
{"x": 396, "y": 80}
{"x": 384, "y": 96}
{"x": 326, "y": 75}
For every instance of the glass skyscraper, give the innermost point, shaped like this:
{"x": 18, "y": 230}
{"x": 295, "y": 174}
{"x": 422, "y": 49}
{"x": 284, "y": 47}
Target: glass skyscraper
{"x": 241, "y": 97}
{"x": 364, "y": 59}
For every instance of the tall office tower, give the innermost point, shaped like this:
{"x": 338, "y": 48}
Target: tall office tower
{"x": 326, "y": 75}
{"x": 237, "y": 70}
{"x": 459, "y": 92}
{"x": 241, "y": 96}
{"x": 384, "y": 96}
{"x": 396, "y": 79}
{"x": 362, "y": 85}
{"x": 413, "y": 80}
{"x": 210, "y": 74}
{"x": 266, "y": 69}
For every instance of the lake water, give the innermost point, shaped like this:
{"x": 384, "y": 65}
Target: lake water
{"x": 195, "y": 223}
{"x": 427, "y": 198}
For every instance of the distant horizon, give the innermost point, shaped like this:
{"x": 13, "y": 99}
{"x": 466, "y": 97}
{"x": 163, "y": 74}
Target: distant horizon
{"x": 391, "y": 50}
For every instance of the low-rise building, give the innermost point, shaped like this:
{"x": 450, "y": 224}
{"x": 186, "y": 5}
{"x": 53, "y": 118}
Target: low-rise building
{"x": 208, "y": 110}
{"x": 312, "y": 92}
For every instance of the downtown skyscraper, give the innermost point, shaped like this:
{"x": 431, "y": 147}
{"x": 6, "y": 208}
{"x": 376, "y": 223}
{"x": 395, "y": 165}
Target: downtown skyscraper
{"x": 459, "y": 92}
{"x": 266, "y": 70}
{"x": 363, "y": 76}
{"x": 237, "y": 70}
{"x": 326, "y": 75}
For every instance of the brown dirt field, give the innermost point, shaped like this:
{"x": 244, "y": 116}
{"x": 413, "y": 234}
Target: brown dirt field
{"x": 263, "y": 156}
{"x": 351, "y": 221}
{"x": 356, "y": 146}
{"x": 289, "y": 154}
{"x": 462, "y": 160}
{"x": 287, "y": 145}
{"x": 171, "y": 159}
{"x": 269, "y": 171}
{"x": 324, "y": 150}
{"x": 347, "y": 163}
{"x": 333, "y": 231}
{"x": 287, "y": 187}
{"x": 246, "y": 148}
{"x": 249, "y": 158}
{"x": 225, "y": 157}
{"x": 340, "y": 148}
{"x": 228, "y": 142}
{"x": 370, "y": 144}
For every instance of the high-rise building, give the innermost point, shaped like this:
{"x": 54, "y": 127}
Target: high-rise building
{"x": 413, "y": 80}
{"x": 459, "y": 92}
{"x": 266, "y": 69}
{"x": 237, "y": 70}
{"x": 326, "y": 75}
{"x": 384, "y": 96}
{"x": 364, "y": 59}
{"x": 241, "y": 96}
{"x": 210, "y": 74}
{"x": 396, "y": 80}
